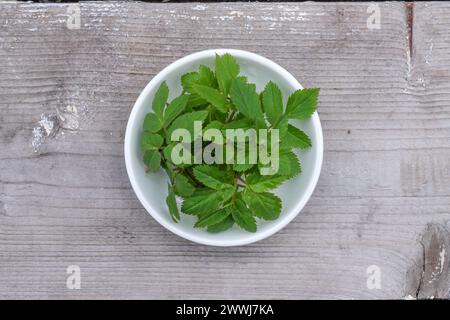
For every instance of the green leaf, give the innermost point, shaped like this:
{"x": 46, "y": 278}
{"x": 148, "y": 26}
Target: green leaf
{"x": 227, "y": 69}
{"x": 264, "y": 205}
{"x": 203, "y": 201}
{"x": 195, "y": 101}
{"x": 243, "y": 164}
{"x": 238, "y": 124}
{"x": 186, "y": 121}
{"x": 246, "y": 100}
{"x": 260, "y": 183}
{"x": 272, "y": 102}
{"x": 225, "y": 224}
{"x": 243, "y": 216}
{"x": 152, "y": 123}
{"x": 295, "y": 138}
{"x": 182, "y": 186}
{"x": 187, "y": 81}
{"x": 302, "y": 103}
{"x": 213, "y": 218}
{"x": 152, "y": 160}
{"x": 222, "y": 99}
{"x": 222, "y": 117}
{"x": 213, "y": 177}
{"x": 282, "y": 126}
{"x": 243, "y": 78}
{"x": 213, "y": 125}
{"x": 213, "y": 97}
{"x": 242, "y": 167}
{"x": 206, "y": 76}
{"x": 167, "y": 151}
{"x": 160, "y": 100}
{"x": 151, "y": 141}
{"x": 289, "y": 164}
{"x": 174, "y": 109}
{"x": 172, "y": 204}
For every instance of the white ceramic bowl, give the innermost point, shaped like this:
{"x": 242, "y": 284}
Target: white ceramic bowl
{"x": 151, "y": 188}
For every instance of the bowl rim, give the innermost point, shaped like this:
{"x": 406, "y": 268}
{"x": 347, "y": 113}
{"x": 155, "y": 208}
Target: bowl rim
{"x": 282, "y": 221}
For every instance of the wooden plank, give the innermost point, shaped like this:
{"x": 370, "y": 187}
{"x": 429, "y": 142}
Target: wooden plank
{"x": 385, "y": 174}
{"x": 429, "y": 80}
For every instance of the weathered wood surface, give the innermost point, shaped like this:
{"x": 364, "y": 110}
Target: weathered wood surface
{"x": 383, "y": 197}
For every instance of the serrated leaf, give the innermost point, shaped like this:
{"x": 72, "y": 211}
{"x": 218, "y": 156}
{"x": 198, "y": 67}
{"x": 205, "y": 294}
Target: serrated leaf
{"x": 243, "y": 78}
{"x": 289, "y": 164}
{"x": 167, "y": 151}
{"x": 188, "y": 80}
{"x": 238, "y": 124}
{"x": 182, "y": 186}
{"x": 260, "y": 183}
{"x": 206, "y": 98}
{"x": 172, "y": 205}
{"x": 152, "y": 123}
{"x": 213, "y": 177}
{"x": 195, "y": 101}
{"x": 224, "y": 225}
{"x": 227, "y": 69}
{"x": 151, "y": 141}
{"x": 212, "y": 96}
{"x": 206, "y": 76}
{"x": 219, "y": 116}
{"x": 295, "y": 138}
{"x": 272, "y": 101}
{"x": 282, "y": 125}
{"x": 186, "y": 121}
{"x": 203, "y": 77}
{"x": 213, "y": 125}
{"x": 152, "y": 160}
{"x": 242, "y": 164}
{"x": 243, "y": 216}
{"x": 302, "y": 103}
{"x": 160, "y": 100}
{"x": 264, "y": 205}
{"x": 213, "y": 218}
{"x": 203, "y": 201}
{"x": 174, "y": 109}
{"x": 246, "y": 100}
{"x": 242, "y": 167}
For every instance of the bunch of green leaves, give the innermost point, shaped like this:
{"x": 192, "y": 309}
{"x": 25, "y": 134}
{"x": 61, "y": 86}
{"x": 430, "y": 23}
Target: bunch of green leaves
{"x": 221, "y": 195}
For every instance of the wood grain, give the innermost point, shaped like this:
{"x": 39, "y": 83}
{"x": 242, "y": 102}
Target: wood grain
{"x": 385, "y": 111}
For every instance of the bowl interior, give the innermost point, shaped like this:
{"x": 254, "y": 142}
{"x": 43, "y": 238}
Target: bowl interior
{"x": 151, "y": 188}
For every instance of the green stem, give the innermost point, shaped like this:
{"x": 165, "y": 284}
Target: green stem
{"x": 276, "y": 123}
{"x": 190, "y": 176}
{"x": 232, "y": 114}
{"x": 236, "y": 185}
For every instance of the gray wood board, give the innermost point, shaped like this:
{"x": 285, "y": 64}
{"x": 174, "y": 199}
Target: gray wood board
{"x": 383, "y": 197}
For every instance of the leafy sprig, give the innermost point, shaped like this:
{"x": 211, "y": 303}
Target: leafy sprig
{"x": 221, "y": 195}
